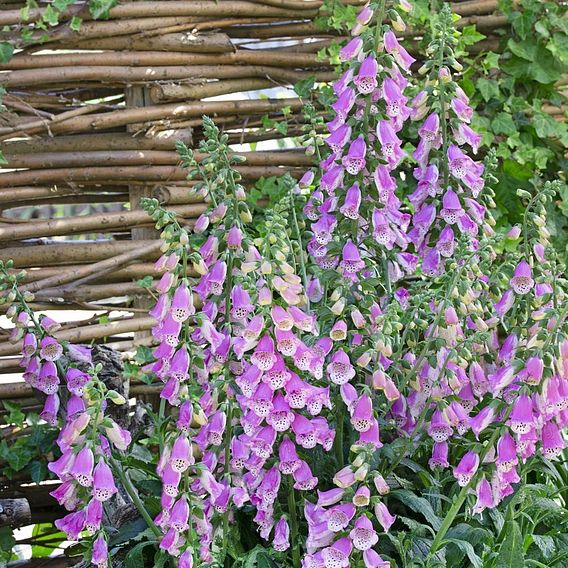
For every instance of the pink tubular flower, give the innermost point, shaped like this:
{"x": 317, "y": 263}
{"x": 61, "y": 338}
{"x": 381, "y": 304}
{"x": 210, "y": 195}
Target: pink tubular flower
{"x": 439, "y": 457}
{"x": 340, "y": 370}
{"x": 351, "y": 50}
{"x": 264, "y": 357}
{"x": 484, "y": 496}
{"x": 552, "y": 441}
{"x": 522, "y": 281}
{"x": 337, "y": 555}
{"x": 281, "y": 541}
{"x": 363, "y": 534}
{"x": 384, "y": 517}
{"x": 82, "y": 469}
{"x": 521, "y": 419}
{"x": 103, "y": 482}
{"x": 366, "y": 78}
{"x": 350, "y": 207}
{"x": 466, "y": 469}
{"x": 400, "y": 54}
{"x": 100, "y": 552}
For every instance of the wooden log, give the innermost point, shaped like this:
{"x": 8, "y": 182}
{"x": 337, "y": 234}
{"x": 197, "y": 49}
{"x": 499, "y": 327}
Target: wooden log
{"x": 99, "y": 268}
{"x": 70, "y": 253}
{"x": 126, "y": 173}
{"x": 93, "y": 142}
{"x": 55, "y": 199}
{"x": 171, "y": 112}
{"x": 174, "y": 195}
{"x": 132, "y": 272}
{"x": 45, "y": 160}
{"x": 90, "y": 332}
{"x": 128, "y": 75}
{"x": 14, "y": 513}
{"x": 159, "y": 58}
{"x": 210, "y": 43}
{"x": 93, "y": 292}
{"x": 23, "y": 194}
{"x": 99, "y": 222}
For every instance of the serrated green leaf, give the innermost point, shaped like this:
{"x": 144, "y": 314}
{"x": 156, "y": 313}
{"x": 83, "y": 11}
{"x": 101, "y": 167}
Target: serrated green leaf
{"x": 511, "y": 551}
{"x": 546, "y": 544}
{"x": 468, "y": 549}
{"x": 418, "y": 505}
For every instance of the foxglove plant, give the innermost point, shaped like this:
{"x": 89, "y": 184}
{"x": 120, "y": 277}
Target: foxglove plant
{"x": 76, "y": 400}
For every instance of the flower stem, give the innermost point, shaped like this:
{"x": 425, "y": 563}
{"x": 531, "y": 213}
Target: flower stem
{"x": 293, "y": 516}
{"x": 338, "y": 441}
{"x": 301, "y": 257}
{"x": 442, "y": 97}
{"x": 133, "y": 494}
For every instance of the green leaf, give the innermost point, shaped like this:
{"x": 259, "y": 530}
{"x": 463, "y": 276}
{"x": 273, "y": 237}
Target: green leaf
{"x": 304, "y": 87}
{"x": 545, "y": 544}
{"x": 75, "y": 23}
{"x": 418, "y": 505}
{"x": 503, "y": 124}
{"x": 524, "y": 49}
{"x": 545, "y": 125}
{"x": 6, "y": 52}
{"x": 135, "y": 557}
{"x": 522, "y": 23}
{"x": 488, "y": 89}
{"x": 15, "y": 415}
{"x": 511, "y": 551}
{"x": 468, "y": 549}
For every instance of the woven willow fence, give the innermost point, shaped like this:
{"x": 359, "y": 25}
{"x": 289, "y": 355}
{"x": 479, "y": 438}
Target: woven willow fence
{"x": 90, "y": 126}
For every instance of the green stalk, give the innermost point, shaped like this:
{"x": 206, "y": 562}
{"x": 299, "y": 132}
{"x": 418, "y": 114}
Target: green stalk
{"x": 338, "y": 441}
{"x": 442, "y": 96}
{"x": 133, "y": 494}
{"x": 301, "y": 258}
{"x": 379, "y": 24}
{"x": 293, "y": 516}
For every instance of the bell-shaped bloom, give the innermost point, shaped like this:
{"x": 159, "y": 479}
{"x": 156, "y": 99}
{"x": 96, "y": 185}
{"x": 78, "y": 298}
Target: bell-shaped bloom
{"x": 362, "y": 416}
{"x": 182, "y": 303}
{"x": 532, "y": 373}
{"x": 354, "y": 160}
{"x": 29, "y": 345}
{"x": 351, "y": 50}
{"x": 439, "y": 457}
{"x": 186, "y": 559}
{"x": 72, "y": 524}
{"x": 234, "y": 238}
{"x": 439, "y": 429}
{"x": 120, "y": 437}
{"x": 289, "y": 462}
{"x": 390, "y": 143}
{"x": 552, "y": 441}
{"x": 467, "y": 468}
{"x": 50, "y": 409}
{"x": 350, "y": 207}
{"x": 351, "y": 261}
{"x": 363, "y": 535}
{"x": 93, "y": 516}
{"x": 241, "y": 305}
{"x": 82, "y": 469}
{"x": 339, "y": 517}
{"x": 181, "y": 457}
{"x": 482, "y": 420}
{"x": 506, "y": 453}
{"x": 522, "y": 281}
{"x": 366, "y": 78}
{"x": 505, "y": 303}
{"x": 463, "y": 111}
{"x": 401, "y": 56}
{"x": 281, "y": 540}
{"x": 484, "y": 496}
{"x": 430, "y": 130}
{"x": 48, "y": 378}
{"x": 264, "y": 357}
{"x": 522, "y": 418}
{"x": 344, "y": 104}
{"x": 337, "y": 555}
{"x": 465, "y": 135}
{"x": 452, "y": 209}
{"x": 373, "y": 560}
{"x": 179, "y": 515}
{"x": 340, "y": 370}
{"x": 383, "y": 515}
{"x": 362, "y": 496}
{"x": 304, "y": 479}
{"x": 103, "y": 482}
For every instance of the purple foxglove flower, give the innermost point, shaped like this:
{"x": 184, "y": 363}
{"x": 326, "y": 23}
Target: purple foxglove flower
{"x": 48, "y": 379}
{"x": 179, "y": 515}
{"x": 29, "y": 345}
{"x": 278, "y": 376}
{"x": 261, "y": 401}
{"x": 401, "y": 56}
{"x": 446, "y": 242}
{"x": 384, "y": 182}
{"x": 362, "y": 416}
{"x": 120, "y": 437}
{"x": 484, "y": 496}
{"x": 281, "y": 318}
{"x": 466, "y": 469}
{"x": 552, "y": 441}
{"x": 281, "y": 417}
{"x": 482, "y": 420}
{"x": 234, "y": 238}
{"x": 253, "y": 328}
{"x": 439, "y": 457}
{"x": 171, "y": 542}
{"x": 506, "y": 453}
{"x": 66, "y": 495}
{"x": 216, "y": 278}
{"x": 350, "y": 207}
{"x": 181, "y": 457}
{"x": 340, "y": 85}
{"x": 103, "y": 482}
{"x": 170, "y": 481}
{"x": 463, "y": 111}
{"x": 344, "y": 104}
{"x": 262, "y": 443}
{"x": 297, "y": 392}
{"x": 364, "y": 16}
{"x": 179, "y": 366}
{"x": 430, "y": 130}
{"x": 288, "y": 457}
{"x": 522, "y": 281}
{"x": 330, "y": 497}
{"x": 465, "y": 135}
{"x": 281, "y": 541}
{"x": 165, "y": 283}
{"x": 332, "y": 179}
{"x": 431, "y": 264}
{"x": 50, "y": 409}
{"x": 201, "y": 224}
{"x": 286, "y": 342}
{"x": 394, "y": 99}
{"x": 351, "y": 261}
{"x": 460, "y": 164}
{"x": 241, "y": 305}
{"x": 82, "y": 469}
{"x": 306, "y": 180}
{"x": 72, "y": 524}
{"x": 373, "y": 560}
{"x": 182, "y": 303}
{"x": 532, "y": 373}
{"x": 50, "y": 325}
{"x": 337, "y": 555}
{"x": 351, "y": 50}
{"x": 452, "y": 209}
{"x": 501, "y": 379}
{"x": 505, "y": 303}
{"x": 264, "y": 357}
{"x": 362, "y": 496}
{"x": 305, "y": 432}
{"x": 371, "y": 436}
{"x": 186, "y": 559}
{"x": 338, "y": 331}
{"x": 304, "y": 478}
{"x": 339, "y": 138}
{"x": 386, "y": 520}
{"x": 76, "y": 381}
{"x": 340, "y": 370}
{"x": 366, "y": 78}
{"x": 390, "y": 143}
{"x": 340, "y": 516}
{"x": 363, "y": 534}
{"x": 93, "y": 516}
{"x": 216, "y": 428}
{"x": 382, "y": 231}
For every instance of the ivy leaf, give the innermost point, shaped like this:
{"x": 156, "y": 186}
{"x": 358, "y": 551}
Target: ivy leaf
{"x": 522, "y": 23}
{"x": 488, "y": 89}
{"x": 503, "y": 124}
{"x": 524, "y": 49}
{"x": 511, "y": 551}
{"x": 544, "y": 125}
{"x": 6, "y": 52}
{"x": 15, "y": 415}
{"x": 304, "y": 87}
